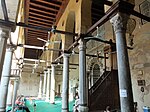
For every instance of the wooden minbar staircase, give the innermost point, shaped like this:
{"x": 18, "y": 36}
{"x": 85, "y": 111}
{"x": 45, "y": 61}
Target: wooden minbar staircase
{"x": 105, "y": 92}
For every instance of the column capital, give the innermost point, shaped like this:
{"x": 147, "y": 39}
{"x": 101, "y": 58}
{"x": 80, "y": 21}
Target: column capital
{"x": 41, "y": 75}
{"x": 66, "y": 55}
{"x": 11, "y": 47}
{"x": 14, "y": 78}
{"x": 82, "y": 44}
{"x": 53, "y": 65}
{"x": 45, "y": 70}
{"x": 119, "y": 22}
{"x": 5, "y": 32}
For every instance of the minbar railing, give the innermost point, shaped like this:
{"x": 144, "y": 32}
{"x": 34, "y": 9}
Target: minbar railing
{"x": 105, "y": 92}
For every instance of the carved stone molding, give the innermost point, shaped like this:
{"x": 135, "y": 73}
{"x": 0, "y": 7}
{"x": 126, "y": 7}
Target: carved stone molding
{"x": 5, "y": 32}
{"x": 11, "y": 48}
{"x": 66, "y": 55}
{"x": 119, "y": 22}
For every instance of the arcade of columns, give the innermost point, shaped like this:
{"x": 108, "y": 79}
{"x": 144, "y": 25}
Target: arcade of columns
{"x": 119, "y": 21}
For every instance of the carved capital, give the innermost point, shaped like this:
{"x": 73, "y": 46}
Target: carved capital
{"x": 66, "y": 55}
{"x": 5, "y": 32}
{"x": 11, "y": 48}
{"x": 119, "y": 22}
{"x": 82, "y": 44}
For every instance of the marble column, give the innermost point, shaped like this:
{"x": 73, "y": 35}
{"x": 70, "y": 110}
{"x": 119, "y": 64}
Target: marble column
{"x": 65, "y": 86}
{"x": 119, "y": 22}
{"x": 4, "y": 34}
{"x": 83, "y": 95}
{"x": 44, "y": 84}
{"x": 48, "y": 85}
{"x": 16, "y": 86}
{"x": 5, "y": 77}
{"x": 52, "y": 92}
{"x": 10, "y": 94}
{"x": 40, "y": 86}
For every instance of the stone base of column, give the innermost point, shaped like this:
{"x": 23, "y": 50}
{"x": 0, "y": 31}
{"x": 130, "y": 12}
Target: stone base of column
{"x": 43, "y": 97}
{"x": 2, "y": 110}
{"x": 9, "y": 105}
{"x": 64, "y": 110}
{"x": 83, "y": 109}
{"x": 39, "y": 95}
{"x": 52, "y": 102}
{"x": 47, "y": 100}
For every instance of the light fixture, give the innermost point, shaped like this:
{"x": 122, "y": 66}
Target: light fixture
{"x": 8, "y": 12}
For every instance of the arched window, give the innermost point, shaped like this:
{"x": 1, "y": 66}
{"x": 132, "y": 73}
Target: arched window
{"x": 96, "y": 73}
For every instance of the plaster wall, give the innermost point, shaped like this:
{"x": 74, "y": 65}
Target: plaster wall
{"x": 140, "y": 62}
{"x": 73, "y": 81}
{"x": 29, "y": 84}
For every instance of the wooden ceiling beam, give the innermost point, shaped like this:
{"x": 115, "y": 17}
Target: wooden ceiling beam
{"x": 34, "y": 44}
{"x": 49, "y": 3}
{"x": 35, "y": 24}
{"x": 34, "y": 40}
{"x": 39, "y": 22}
{"x": 30, "y": 19}
{"x": 34, "y": 29}
{"x": 43, "y": 12}
{"x": 38, "y": 31}
{"x": 43, "y": 34}
{"x": 43, "y": 7}
{"x": 36, "y": 36}
{"x": 40, "y": 19}
{"x": 40, "y": 15}
{"x": 26, "y": 15}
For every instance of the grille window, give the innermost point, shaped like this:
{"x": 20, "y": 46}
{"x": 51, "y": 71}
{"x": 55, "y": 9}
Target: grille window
{"x": 145, "y": 10}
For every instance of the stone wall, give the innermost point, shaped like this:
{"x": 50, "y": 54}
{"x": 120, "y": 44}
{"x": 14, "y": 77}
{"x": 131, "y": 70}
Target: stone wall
{"x": 29, "y": 84}
{"x": 140, "y": 62}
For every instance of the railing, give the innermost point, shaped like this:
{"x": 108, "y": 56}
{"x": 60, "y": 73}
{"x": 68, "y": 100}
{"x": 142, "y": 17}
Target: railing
{"x": 105, "y": 92}
{"x": 98, "y": 82}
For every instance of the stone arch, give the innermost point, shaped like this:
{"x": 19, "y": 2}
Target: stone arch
{"x": 55, "y": 54}
{"x": 69, "y": 27}
{"x": 95, "y": 72}
{"x": 93, "y": 63}
{"x": 86, "y": 18}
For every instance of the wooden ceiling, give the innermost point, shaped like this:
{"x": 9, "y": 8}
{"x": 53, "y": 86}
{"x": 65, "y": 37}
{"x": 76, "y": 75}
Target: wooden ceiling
{"x": 46, "y": 13}
{"x": 40, "y": 13}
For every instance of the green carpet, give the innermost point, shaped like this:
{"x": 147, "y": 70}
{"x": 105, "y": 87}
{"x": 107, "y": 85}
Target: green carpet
{"x": 42, "y": 106}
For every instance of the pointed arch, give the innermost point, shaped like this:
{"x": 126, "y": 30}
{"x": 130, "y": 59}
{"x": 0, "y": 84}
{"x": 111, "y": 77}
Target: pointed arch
{"x": 69, "y": 27}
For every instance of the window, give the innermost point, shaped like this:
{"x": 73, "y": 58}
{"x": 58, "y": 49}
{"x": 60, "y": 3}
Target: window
{"x": 145, "y": 9}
